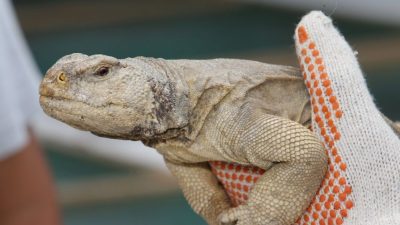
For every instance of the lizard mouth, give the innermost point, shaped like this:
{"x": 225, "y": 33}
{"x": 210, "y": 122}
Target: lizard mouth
{"x": 62, "y": 103}
{"x": 56, "y": 102}
{"x": 44, "y": 98}
{"x": 83, "y": 116}
{"x": 70, "y": 112}
{"x": 63, "y": 109}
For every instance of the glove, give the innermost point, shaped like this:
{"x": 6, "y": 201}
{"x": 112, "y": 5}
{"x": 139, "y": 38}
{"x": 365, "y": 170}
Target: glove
{"x": 362, "y": 185}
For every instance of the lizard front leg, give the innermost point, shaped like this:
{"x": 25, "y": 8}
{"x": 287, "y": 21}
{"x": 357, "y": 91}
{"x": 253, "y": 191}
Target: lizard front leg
{"x": 201, "y": 189}
{"x": 286, "y": 189}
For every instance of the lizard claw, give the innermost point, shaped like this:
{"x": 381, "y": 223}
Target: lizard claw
{"x": 244, "y": 215}
{"x": 232, "y": 216}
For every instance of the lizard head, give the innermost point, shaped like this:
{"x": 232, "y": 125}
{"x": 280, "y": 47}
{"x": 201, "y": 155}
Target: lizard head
{"x": 124, "y": 99}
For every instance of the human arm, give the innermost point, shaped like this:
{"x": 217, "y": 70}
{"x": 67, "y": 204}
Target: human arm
{"x": 27, "y": 191}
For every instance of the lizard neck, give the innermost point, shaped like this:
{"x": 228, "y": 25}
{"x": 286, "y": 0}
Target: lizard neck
{"x": 170, "y": 105}
{"x": 184, "y": 90}
{"x": 207, "y": 85}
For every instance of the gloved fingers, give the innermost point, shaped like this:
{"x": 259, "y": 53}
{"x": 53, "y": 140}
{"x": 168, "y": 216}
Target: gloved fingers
{"x": 321, "y": 49}
{"x": 360, "y": 144}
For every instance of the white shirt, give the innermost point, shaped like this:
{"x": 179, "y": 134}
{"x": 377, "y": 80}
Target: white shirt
{"x": 19, "y": 83}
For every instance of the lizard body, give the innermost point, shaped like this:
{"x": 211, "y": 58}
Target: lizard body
{"x": 196, "y": 111}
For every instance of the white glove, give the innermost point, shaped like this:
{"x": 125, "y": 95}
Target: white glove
{"x": 363, "y": 182}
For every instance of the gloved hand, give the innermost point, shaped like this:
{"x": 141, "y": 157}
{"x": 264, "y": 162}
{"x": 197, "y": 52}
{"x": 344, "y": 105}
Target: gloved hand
{"x": 362, "y": 185}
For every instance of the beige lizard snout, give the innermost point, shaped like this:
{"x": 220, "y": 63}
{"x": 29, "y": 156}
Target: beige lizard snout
{"x": 45, "y": 90}
{"x": 52, "y": 81}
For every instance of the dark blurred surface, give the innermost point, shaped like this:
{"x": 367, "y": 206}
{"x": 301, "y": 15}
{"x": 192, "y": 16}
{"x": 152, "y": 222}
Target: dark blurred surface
{"x": 182, "y": 29}
{"x": 171, "y": 209}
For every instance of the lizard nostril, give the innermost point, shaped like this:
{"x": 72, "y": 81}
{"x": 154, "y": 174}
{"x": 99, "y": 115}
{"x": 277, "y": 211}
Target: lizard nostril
{"x": 61, "y": 78}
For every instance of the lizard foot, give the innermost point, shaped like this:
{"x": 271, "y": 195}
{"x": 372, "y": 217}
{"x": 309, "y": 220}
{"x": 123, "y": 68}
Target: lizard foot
{"x": 245, "y": 215}
{"x": 233, "y": 216}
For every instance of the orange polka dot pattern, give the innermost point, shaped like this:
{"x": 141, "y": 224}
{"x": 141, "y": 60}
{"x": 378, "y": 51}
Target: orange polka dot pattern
{"x": 237, "y": 179}
{"x": 333, "y": 201}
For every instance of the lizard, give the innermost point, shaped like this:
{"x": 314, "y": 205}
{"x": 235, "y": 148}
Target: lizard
{"x": 194, "y": 112}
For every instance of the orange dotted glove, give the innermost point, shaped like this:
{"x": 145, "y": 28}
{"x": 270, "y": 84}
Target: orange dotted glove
{"x": 362, "y": 185}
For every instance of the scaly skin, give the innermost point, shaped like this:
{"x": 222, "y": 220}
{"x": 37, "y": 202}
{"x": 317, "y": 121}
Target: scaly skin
{"x": 196, "y": 111}
{"x": 193, "y": 112}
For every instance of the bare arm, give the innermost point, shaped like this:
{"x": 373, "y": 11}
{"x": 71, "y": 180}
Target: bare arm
{"x": 26, "y": 190}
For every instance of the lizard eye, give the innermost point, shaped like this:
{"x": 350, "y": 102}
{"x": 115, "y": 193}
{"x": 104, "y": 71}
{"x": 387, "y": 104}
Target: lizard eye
{"x": 102, "y": 71}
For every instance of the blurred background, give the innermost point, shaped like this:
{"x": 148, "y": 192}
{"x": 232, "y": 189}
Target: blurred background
{"x": 101, "y": 181}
